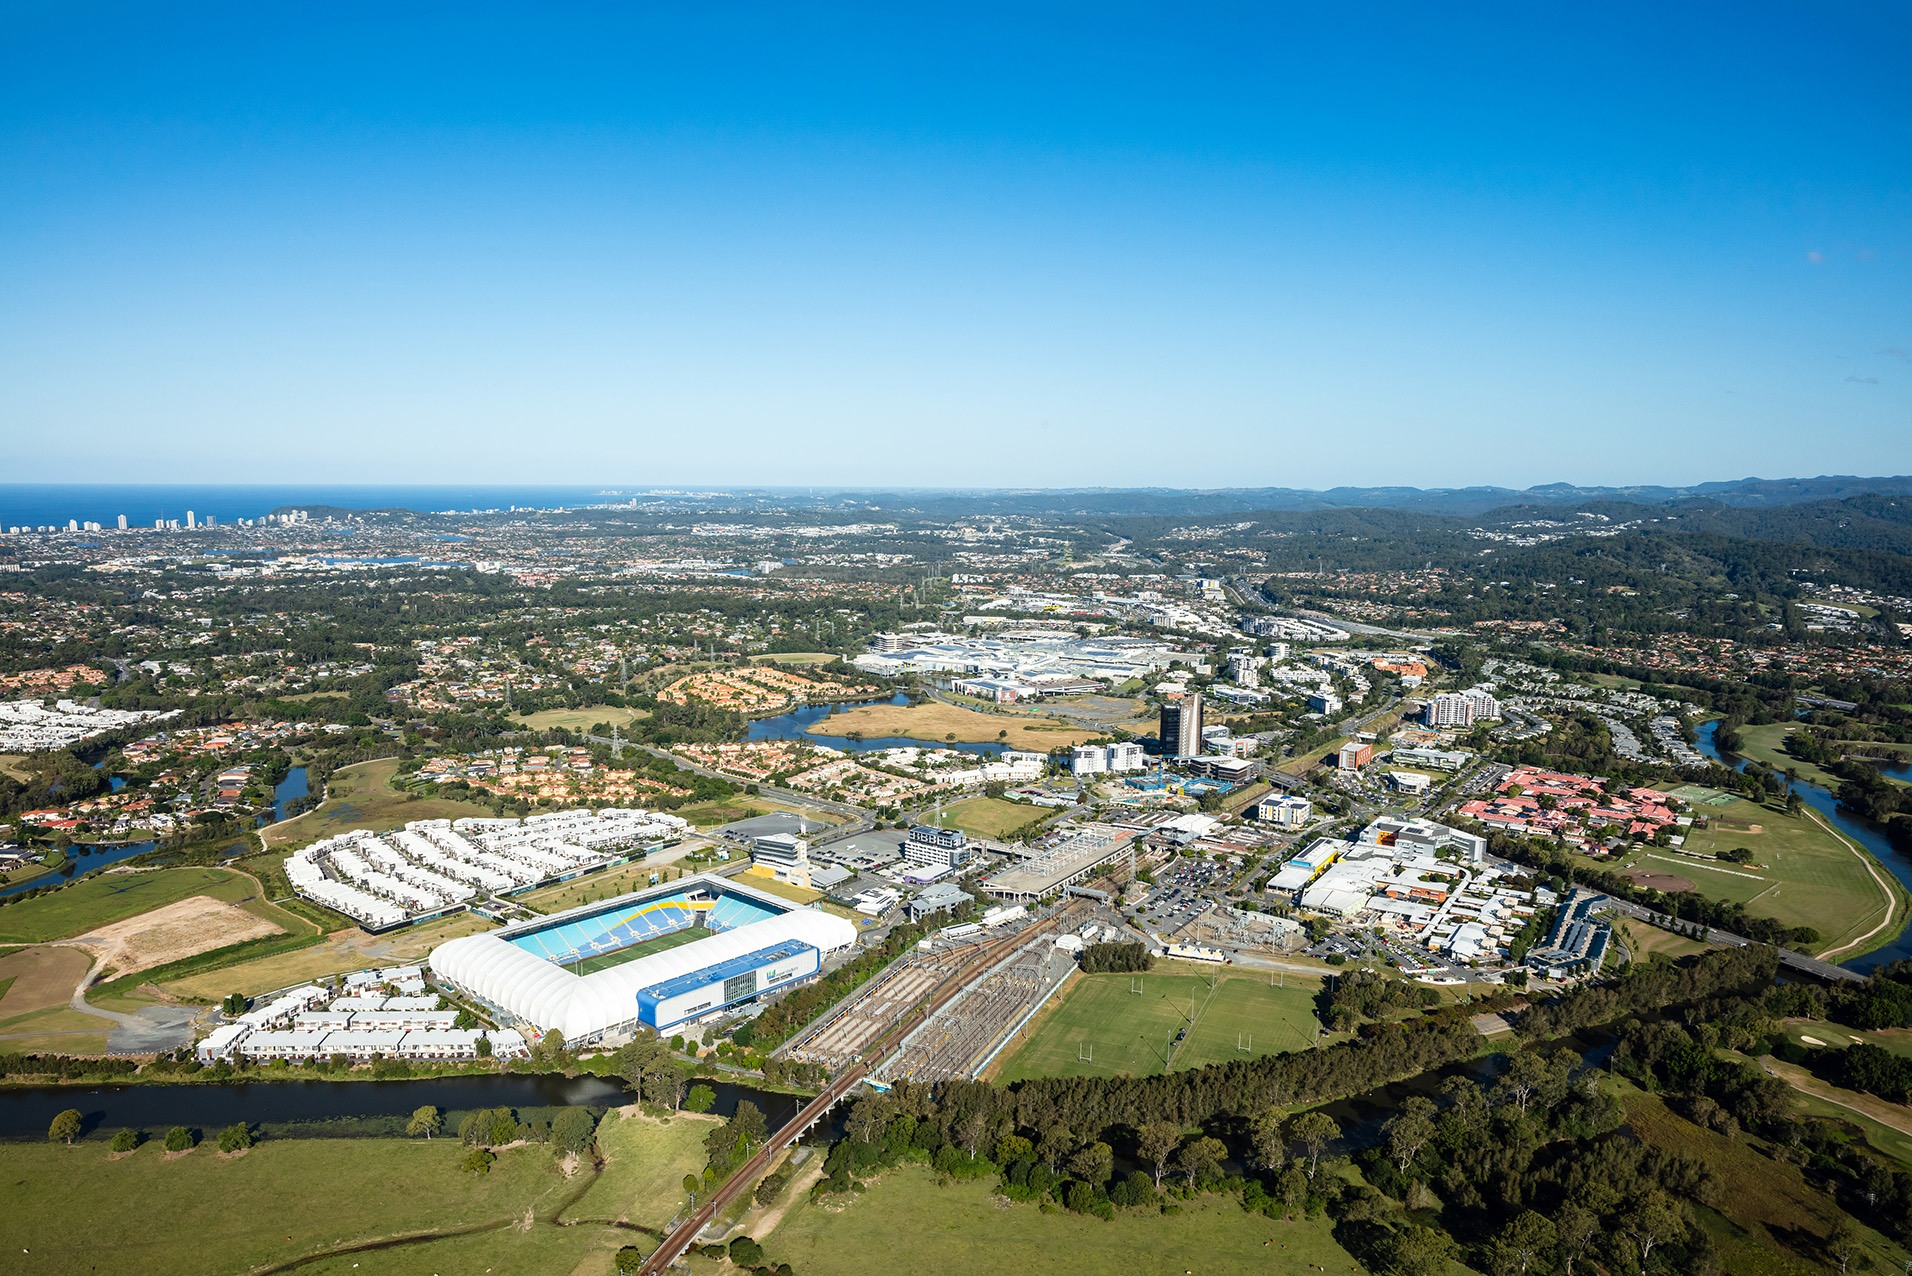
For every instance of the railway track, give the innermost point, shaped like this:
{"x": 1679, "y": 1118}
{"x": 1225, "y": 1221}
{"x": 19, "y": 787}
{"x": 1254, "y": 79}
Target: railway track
{"x": 987, "y": 954}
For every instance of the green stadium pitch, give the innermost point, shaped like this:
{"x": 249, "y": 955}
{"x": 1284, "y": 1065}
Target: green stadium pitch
{"x": 676, "y": 939}
{"x": 1179, "y": 1015}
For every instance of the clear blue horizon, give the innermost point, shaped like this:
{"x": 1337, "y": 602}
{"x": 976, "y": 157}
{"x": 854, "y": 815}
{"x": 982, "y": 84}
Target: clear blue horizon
{"x": 1053, "y": 246}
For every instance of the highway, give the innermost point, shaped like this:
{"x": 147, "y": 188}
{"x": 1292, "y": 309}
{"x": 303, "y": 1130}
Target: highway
{"x": 1788, "y": 959}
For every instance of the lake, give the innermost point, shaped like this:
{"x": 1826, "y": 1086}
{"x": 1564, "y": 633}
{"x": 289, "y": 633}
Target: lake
{"x": 1864, "y": 832}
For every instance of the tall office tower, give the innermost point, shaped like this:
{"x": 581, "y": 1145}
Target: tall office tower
{"x": 190, "y": 520}
{"x": 1182, "y": 727}
{"x": 122, "y": 522}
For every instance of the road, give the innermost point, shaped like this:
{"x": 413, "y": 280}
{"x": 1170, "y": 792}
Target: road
{"x": 1787, "y": 957}
{"x": 858, "y": 820}
{"x": 685, "y": 1233}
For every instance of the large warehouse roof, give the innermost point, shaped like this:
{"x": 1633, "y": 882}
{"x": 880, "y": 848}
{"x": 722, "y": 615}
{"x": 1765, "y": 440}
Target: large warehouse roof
{"x": 581, "y": 1006}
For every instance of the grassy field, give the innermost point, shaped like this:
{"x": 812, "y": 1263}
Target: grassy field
{"x": 934, "y": 720}
{"x": 1643, "y": 941}
{"x": 13, "y": 764}
{"x": 990, "y": 817}
{"x": 621, "y": 880}
{"x": 1128, "y": 1033}
{"x": 203, "y": 1213}
{"x": 347, "y": 950}
{"x": 113, "y": 896}
{"x": 1805, "y": 876}
{"x": 1306, "y": 762}
{"x": 37, "y": 978}
{"x": 795, "y": 658}
{"x": 961, "y": 1228}
{"x": 361, "y": 796}
{"x": 1768, "y": 1214}
{"x": 580, "y": 719}
{"x": 740, "y": 807}
{"x": 763, "y": 881}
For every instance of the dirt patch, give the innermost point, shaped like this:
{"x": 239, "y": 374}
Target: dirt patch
{"x": 183, "y": 929}
{"x": 1668, "y": 882}
{"x": 1736, "y": 826}
{"x": 43, "y": 976}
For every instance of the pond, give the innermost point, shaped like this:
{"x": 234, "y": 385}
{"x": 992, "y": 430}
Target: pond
{"x": 795, "y": 725}
{"x": 294, "y": 1107}
{"x": 1864, "y": 832}
{"x": 293, "y": 786}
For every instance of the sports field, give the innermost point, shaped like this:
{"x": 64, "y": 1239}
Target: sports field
{"x": 663, "y": 943}
{"x": 1105, "y": 1025}
{"x": 1801, "y": 873}
{"x": 964, "y": 1227}
{"x": 361, "y": 796}
{"x": 990, "y": 817}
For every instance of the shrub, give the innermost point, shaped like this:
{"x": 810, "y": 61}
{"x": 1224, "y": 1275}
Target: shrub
{"x": 180, "y": 1139}
{"x": 236, "y": 1137}
{"x": 478, "y": 1161}
{"x": 125, "y": 1141}
{"x": 630, "y": 1260}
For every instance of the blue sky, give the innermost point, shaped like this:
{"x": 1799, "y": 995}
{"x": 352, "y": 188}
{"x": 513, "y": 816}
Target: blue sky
{"x": 1014, "y": 245}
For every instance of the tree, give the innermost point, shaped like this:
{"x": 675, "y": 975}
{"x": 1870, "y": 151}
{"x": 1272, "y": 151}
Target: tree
{"x": 484, "y": 1047}
{"x": 573, "y": 1130}
{"x": 1156, "y": 1141}
{"x": 478, "y": 1161}
{"x": 1575, "y": 1227}
{"x": 1842, "y": 1244}
{"x": 701, "y": 1099}
{"x": 867, "y": 1119}
{"x": 630, "y": 1261}
{"x": 66, "y": 1127}
{"x": 1653, "y": 1220}
{"x": 180, "y": 1139}
{"x": 234, "y": 1005}
{"x": 1093, "y": 1163}
{"x": 125, "y": 1141}
{"x": 1314, "y": 1131}
{"x": 1408, "y": 1131}
{"x": 236, "y": 1137}
{"x": 1522, "y": 1245}
{"x": 1200, "y": 1158}
{"x": 426, "y": 1121}
{"x": 745, "y": 1252}
{"x": 1265, "y": 1141}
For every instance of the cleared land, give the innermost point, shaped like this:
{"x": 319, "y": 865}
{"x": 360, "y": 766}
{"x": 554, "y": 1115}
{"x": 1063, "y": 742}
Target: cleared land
{"x": 346, "y": 950}
{"x": 1129, "y": 1032}
{"x": 14, "y": 765}
{"x": 962, "y": 1228}
{"x": 990, "y": 817}
{"x": 1769, "y": 1219}
{"x": 758, "y": 879}
{"x": 203, "y": 1213}
{"x": 114, "y": 896}
{"x": 172, "y": 932}
{"x": 934, "y": 720}
{"x": 361, "y": 796}
{"x": 1671, "y": 882}
{"x": 39, "y": 978}
{"x": 1802, "y": 873}
{"x": 796, "y": 658}
{"x": 581, "y": 719}
{"x": 621, "y": 880}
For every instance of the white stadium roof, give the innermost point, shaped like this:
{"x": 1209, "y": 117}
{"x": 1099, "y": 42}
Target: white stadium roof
{"x": 581, "y": 1006}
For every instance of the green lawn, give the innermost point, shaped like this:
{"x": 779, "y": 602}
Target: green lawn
{"x": 113, "y": 896}
{"x": 361, "y": 796}
{"x": 1801, "y": 874}
{"x": 905, "y": 1222}
{"x": 990, "y": 817}
{"x": 581, "y": 719}
{"x": 1129, "y": 1032}
{"x": 292, "y": 1198}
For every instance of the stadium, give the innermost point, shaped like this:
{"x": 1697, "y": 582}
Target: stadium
{"x": 658, "y": 958}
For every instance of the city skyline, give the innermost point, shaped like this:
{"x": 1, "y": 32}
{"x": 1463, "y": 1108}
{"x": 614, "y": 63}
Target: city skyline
{"x": 1256, "y": 247}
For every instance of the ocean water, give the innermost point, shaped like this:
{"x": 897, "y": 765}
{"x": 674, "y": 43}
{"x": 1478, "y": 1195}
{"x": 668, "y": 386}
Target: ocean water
{"x": 37, "y": 504}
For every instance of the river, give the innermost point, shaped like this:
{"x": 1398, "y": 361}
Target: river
{"x": 1867, "y": 834}
{"x": 795, "y": 725}
{"x": 291, "y": 1108}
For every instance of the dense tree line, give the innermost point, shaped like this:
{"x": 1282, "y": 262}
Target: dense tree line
{"x": 1120, "y": 957}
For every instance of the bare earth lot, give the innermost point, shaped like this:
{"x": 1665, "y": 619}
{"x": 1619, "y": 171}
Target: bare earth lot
{"x": 179, "y": 930}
